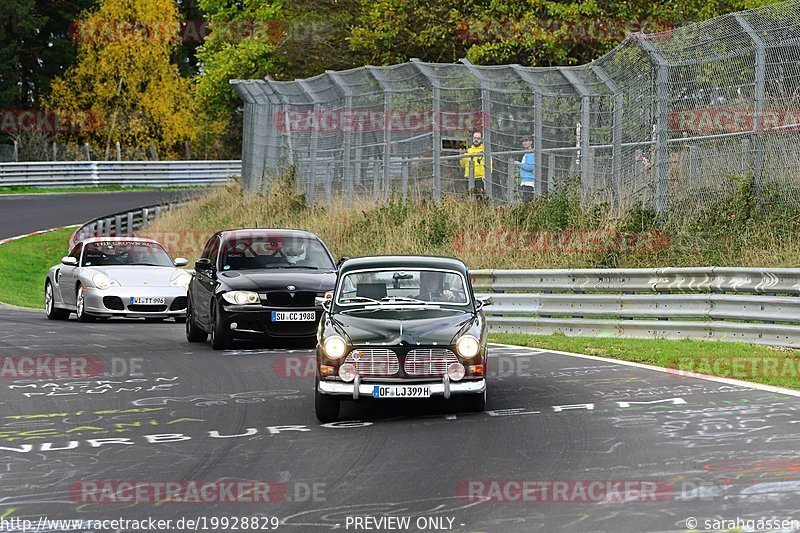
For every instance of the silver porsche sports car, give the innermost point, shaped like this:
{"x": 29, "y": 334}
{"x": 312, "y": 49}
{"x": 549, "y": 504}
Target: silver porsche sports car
{"x": 117, "y": 276}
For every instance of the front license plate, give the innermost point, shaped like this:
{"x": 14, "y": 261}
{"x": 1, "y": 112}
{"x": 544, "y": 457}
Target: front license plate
{"x": 294, "y": 316}
{"x": 146, "y": 300}
{"x": 401, "y": 391}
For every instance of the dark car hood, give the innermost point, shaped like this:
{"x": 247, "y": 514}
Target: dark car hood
{"x": 403, "y": 326}
{"x": 278, "y": 279}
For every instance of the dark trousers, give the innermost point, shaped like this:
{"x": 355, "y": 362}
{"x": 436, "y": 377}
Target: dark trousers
{"x": 528, "y": 192}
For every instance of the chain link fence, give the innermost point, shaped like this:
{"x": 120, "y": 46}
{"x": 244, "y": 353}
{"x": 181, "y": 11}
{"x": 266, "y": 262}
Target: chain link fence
{"x": 670, "y": 121}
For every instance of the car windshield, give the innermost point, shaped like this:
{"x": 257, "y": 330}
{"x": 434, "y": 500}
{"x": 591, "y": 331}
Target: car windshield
{"x": 111, "y": 253}
{"x": 402, "y": 287}
{"x": 275, "y": 252}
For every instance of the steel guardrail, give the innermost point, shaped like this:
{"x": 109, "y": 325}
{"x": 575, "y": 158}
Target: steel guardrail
{"x": 755, "y": 305}
{"x": 121, "y": 224}
{"x": 121, "y": 173}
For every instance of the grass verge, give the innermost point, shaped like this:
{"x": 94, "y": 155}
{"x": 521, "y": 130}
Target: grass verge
{"x": 779, "y": 367}
{"x": 24, "y": 264}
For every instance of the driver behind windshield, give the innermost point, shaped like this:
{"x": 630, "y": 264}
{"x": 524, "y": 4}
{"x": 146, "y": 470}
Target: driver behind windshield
{"x": 431, "y": 288}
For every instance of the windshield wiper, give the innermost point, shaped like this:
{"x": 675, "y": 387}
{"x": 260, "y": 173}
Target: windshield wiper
{"x": 403, "y": 299}
{"x": 272, "y": 267}
{"x": 147, "y": 264}
{"x": 359, "y": 299}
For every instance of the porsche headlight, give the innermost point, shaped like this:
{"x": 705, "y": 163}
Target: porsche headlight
{"x": 241, "y": 297}
{"x": 335, "y": 347}
{"x": 101, "y": 281}
{"x": 468, "y": 346}
{"x": 180, "y": 278}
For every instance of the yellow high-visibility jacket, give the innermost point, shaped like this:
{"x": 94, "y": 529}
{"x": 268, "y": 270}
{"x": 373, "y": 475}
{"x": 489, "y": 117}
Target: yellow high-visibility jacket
{"x": 480, "y": 165}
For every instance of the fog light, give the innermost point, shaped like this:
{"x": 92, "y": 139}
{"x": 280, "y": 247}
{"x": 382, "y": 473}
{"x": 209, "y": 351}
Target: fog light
{"x": 476, "y": 369}
{"x": 347, "y": 372}
{"x": 455, "y": 371}
{"x": 326, "y": 369}
{"x": 234, "y": 325}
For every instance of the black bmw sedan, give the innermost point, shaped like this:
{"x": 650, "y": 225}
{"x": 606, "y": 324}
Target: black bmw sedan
{"x": 258, "y": 284}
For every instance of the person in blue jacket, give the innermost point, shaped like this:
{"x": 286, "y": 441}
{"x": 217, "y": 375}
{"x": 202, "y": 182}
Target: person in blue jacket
{"x": 526, "y": 166}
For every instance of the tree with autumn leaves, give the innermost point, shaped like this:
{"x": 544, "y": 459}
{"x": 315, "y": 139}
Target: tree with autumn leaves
{"x": 124, "y": 78}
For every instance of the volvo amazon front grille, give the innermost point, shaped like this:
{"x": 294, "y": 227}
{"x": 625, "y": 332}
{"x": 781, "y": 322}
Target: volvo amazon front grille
{"x": 374, "y": 361}
{"x": 288, "y": 299}
{"x": 428, "y": 361}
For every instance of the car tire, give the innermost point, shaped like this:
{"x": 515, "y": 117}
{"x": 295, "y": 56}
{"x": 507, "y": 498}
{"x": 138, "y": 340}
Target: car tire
{"x": 220, "y": 338}
{"x": 193, "y": 333}
{"x": 326, "y": 406}
{"x": 475, "y": 403}
{"x": 80, "y": 312}
{"x": 52, "y": 312}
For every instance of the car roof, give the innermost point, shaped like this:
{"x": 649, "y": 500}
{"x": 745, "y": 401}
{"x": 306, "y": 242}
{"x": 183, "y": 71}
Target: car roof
{"x": 406, "y": 261}
{"x": 272, "y": 232}
{"x": 117, "y": 239}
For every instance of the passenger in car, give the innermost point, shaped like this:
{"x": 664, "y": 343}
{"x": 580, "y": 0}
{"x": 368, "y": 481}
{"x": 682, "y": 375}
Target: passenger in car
{"x": 431, "y": 288}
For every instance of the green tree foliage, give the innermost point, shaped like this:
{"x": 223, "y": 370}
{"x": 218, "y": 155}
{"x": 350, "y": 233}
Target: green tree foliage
{"x": 124, "y": 77}
{"x": 286, "y": 39}
{"x": 533, "y": 32}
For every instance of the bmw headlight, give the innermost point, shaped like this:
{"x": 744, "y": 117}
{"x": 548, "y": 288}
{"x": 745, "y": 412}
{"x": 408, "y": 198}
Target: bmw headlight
{"x": 468, "y": 346}
{"x": 241, "y": 297}
{"x": 180, "y": 278}
{"x": 335, "y": 347}
{"x": 101, "y": 281}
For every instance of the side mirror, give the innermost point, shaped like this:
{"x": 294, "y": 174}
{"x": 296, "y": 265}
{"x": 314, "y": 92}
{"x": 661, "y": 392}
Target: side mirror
{"x": 485, "y": 300}
{"x": 181, "y": 261}
{"x": 340, "y": 261}
{"x": 203, "y": 264}
{"x": 69, "y": 261}
{"x": 324, "y": 301}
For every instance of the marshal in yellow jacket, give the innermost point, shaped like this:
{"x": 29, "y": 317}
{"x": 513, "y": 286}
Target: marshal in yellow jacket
{"x": 480, "y": 165}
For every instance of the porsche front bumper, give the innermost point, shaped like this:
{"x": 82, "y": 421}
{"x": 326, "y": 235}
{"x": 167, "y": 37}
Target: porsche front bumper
{"x": 118, "y": 301}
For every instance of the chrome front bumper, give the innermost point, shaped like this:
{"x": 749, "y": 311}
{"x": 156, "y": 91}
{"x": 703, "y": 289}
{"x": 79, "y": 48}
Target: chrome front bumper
{"x": 359, "y": 389}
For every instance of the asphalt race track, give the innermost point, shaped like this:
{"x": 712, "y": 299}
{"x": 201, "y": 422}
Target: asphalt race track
{"x": 711, "y": 449}
{"x": 25, "y": 213}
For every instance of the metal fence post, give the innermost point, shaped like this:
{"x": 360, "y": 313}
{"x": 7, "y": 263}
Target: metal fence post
{"x": 616, "y": 134}
{"x": 387, "y": 125}
{"x": 662, "y": 134}
{"x": 486, "y": 112}
{"x": 583, "y": 92}
{"x": 311, "y": 173}
{"x": 404, "y": 178}
{"x": 551, "y": 170}
{"x": 541, "y": 184}
{"x": 428, "y": 74}
{"x": 692, "y": 163}
{"x": 758, "y": 115}
{"x": 471, "y": 179}
{"x": 347, "y": 170}
{"x": 510, "y": 184}
{"x": 129, "y": 229}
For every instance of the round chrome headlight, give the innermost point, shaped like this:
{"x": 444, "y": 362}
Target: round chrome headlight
{"x": 455, "y": 371}
{"x": 468, "y": 346}
{"x": 335, "y": 347}
{"x": 348, "y": 372}
{"x": 241, "y": 297}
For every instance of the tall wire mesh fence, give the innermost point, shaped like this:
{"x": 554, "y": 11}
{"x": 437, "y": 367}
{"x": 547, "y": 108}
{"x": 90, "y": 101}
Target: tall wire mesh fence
{"x": 668, "y": 121}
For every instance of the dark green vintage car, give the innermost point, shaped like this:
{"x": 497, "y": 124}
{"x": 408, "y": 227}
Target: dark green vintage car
{"x": 401, "y": 327}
